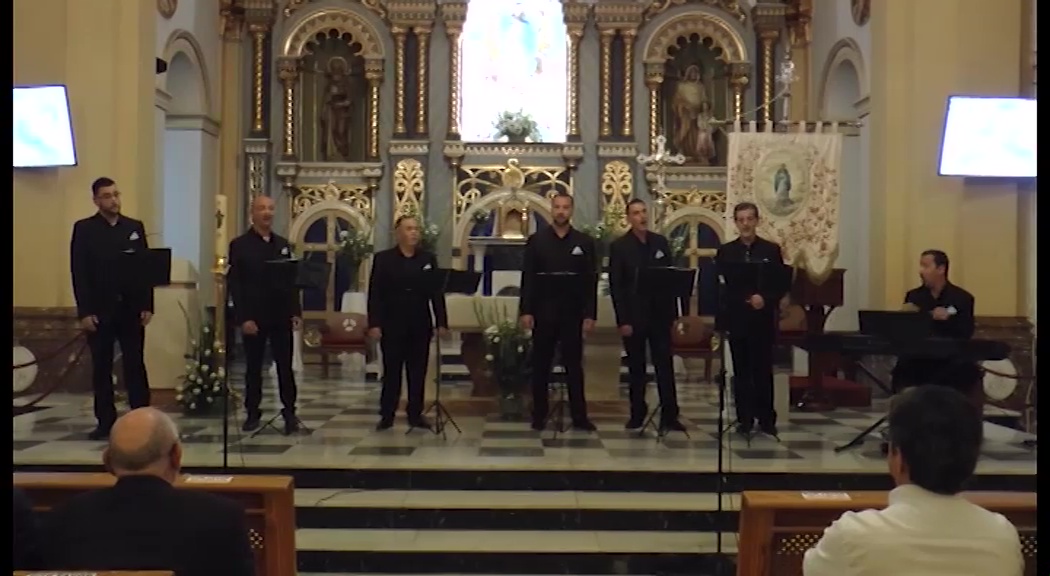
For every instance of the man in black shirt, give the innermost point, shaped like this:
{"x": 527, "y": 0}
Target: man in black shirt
{"x": 559, "y": 315}
{"x": 401, "y": 298}
{"x": 644, "y": 318}
{"x": 952, "y": 310}
{"x": 751, "y": 323}
{"x": 111, "y": 304}
{"x": 265, "y": 310}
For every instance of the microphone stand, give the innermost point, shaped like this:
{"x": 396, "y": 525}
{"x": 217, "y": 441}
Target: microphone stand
{"x": 720, "y": 482}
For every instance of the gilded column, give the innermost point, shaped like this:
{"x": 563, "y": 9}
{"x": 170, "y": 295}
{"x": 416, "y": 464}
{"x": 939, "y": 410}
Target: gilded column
{"x": 573, "y": 99}
{"x": 422, "y": 77}
{"x": 768, "y": 39}
{"x": 627, "y": 128}
{"x": 374, "y": 75}
{"x": 230, "y": 95}
{"x": 453, "y": 31}
{"x": 799, "y": 40}
{"x": 607, "y": 36}
{"x": 258, "y": 32}
{"x": 288, "y": 73}
{"x": 399, "y": 79}
{"x": 738, "y": 81}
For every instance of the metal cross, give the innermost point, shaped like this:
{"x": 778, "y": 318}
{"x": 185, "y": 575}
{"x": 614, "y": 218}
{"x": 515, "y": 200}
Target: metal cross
{"x": 659, "y": 160}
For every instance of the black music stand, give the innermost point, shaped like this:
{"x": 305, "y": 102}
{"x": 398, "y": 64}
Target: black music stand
{"x": 740, "y": 281}
{"x": 446, "y": 281}
{"x": 289, "y": 276}
{"x": 662, "y": 283}
{"x": 562, "y": 286}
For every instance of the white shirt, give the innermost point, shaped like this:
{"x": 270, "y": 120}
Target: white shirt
{"x": 919, "y": 533}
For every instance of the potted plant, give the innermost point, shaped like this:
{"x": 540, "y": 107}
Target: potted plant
{"x": 354, "y": 247}
{"x": 508, "y": 352}
{"x": 517, "y": 127}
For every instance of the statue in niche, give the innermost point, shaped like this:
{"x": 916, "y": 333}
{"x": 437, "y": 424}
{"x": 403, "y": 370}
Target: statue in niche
{"x": 337, "y": 112}
{"x": 513, "y": 221}
{"x": 335, "y": 96}
{"x": 694, "y": 95}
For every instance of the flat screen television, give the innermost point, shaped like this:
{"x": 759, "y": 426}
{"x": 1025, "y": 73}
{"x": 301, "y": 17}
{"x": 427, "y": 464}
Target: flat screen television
{"x": 989, "y": 137}
{"x": 43, "y": 129}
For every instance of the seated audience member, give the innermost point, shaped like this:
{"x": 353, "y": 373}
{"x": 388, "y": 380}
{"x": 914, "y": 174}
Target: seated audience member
{"x": 25, "y": 535}
{"x": 144, "y": 522}
{"x": 927, "y": 529}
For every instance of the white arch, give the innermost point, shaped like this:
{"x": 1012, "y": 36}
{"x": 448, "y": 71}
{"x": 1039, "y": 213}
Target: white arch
{"x": 845, "y": 51}
{"x": 182, "y": 44}
{"x": 707, "y": 216}
{"x": 490, "y": 202}
{"x": 323, "y": 208}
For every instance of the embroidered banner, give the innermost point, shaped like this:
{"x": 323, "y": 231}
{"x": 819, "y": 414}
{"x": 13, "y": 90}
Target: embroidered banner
{"x": 793, "y": 178}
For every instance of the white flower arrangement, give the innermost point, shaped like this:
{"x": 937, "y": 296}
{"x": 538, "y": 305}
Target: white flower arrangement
{"x": 517, "y": 126}
{"x": 508, "y": 349}
{"x": 200, "y": 389}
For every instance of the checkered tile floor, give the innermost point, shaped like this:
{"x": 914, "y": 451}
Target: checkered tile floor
{"x": 342, "y": 416}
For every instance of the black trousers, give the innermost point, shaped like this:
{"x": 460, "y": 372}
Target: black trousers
{"x": 565, "y": 336}
{"x": 126, "y": 328}
{"x": 658, "y": 339}
{"x": 404, "y": 351}
{"x": 279, "y": 336}
{"x": 753, "y": 378}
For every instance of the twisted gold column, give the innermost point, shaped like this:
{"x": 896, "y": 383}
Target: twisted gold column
{"x": 375, "y": 79}
{"x": 258, "y": 32}
{"x": 399, "y": 79}
{"x": 422, "y": 76}
{"x": 627, "y": 128}
{"x": 453, "y": 32}
{"x": 607, "y": 36}
{"x": 288, "y": 73}
{"x": 768, "y": 38}
{"x": 573, "y": 103}
{"x": 738, "y": 81}
{"x": 654, "y": 111}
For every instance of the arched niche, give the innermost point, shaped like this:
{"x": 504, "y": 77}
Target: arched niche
{"x": 187, "y": 80}
{"x": 302, "y": 30}
{"x": 844, "y": 66}
{"x": 702, "y": 23}
{"x": 534, "y": 202}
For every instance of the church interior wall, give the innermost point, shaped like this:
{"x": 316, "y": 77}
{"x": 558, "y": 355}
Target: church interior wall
{"x": 587, "y": 176}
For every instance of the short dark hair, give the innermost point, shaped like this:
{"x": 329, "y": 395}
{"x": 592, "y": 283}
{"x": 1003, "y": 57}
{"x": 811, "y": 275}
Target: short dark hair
{"x": 940, "y": 258}
{"x": 563, "y": 194}
{"x": 745, "y": 206}
{"x": 99, "y": 184}
{"x": 402, "y": 218}
{"x": 634, "y": 202}
{"x": 938, "y": 432}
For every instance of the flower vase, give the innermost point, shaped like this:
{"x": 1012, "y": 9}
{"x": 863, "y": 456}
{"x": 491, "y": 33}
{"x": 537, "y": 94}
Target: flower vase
{"x": 511, "y": 407}
{"x": 515, "y": 138}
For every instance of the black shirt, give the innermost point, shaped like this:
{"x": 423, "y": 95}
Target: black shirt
{"x": 574, "y": 298}
{"x": 257, "y": 293}
{"x": 958, "y": 302}
{"x": 629, "y": 257}
{"x": 401, "y": 292}
{"x": 102, "y": 267}
{"x": 740, "y": 316}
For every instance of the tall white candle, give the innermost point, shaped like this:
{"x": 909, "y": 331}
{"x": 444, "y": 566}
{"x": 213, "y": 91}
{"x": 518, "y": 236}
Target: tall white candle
{"x": 221, "y": 214}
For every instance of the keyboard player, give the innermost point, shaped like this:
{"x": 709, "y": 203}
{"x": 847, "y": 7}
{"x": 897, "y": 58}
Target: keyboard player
{"x": 952, "y": 309}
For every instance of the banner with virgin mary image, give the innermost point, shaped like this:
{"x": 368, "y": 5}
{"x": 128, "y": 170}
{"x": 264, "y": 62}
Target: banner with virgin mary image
{"x": 793, "y": 178}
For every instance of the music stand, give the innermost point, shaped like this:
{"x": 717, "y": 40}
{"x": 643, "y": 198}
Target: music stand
{"x": 289, "y": 276}
{"x": 743, "y": 279}
{"x": 446, "y": 281}
{"x": 659, "y": 283}
{"x": 554, "y": 287}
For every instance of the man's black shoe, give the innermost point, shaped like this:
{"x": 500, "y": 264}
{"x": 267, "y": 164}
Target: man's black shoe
{"x": 672, "y": 426}
{"x": 385, "y": 423}
{"x": 584, "y": 426}
{"x": 539, "y": 425}
{"x": 769, "y": 429}
{"x": 100, "y": 433}
{"x": 291, "y": 426}
{"x": 252, "y": 422}
{"x": 635, "y": 423}
{"x": 420, "y": 422}
{"x": 745, "y": 429}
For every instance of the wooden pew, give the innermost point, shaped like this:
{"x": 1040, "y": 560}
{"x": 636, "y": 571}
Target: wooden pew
{"x": 96, "y": 573}
{"x": 268, "y": 501}
{"x": 776, "y": 528}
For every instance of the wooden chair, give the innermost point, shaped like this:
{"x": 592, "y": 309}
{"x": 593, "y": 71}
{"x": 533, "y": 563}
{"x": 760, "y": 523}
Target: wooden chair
{"x": 776, "y": 528}
{"x": 341, "y": 333}
{"x": 691, "y": 338}
{"x": 268, "y": 501}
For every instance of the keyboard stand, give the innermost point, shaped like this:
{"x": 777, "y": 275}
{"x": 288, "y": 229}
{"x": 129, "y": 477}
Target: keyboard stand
{"x": 859, "y": 439}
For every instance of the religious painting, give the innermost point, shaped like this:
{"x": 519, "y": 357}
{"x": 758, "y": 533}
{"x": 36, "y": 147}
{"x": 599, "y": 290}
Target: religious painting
{"x": 695, "y": 93}
{"x": 781, "y": 182}
{"x": 514, "y": 59}
{"x": 334, "y": 96}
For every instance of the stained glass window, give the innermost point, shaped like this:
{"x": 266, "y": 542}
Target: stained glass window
{"x": 513, "y": 59}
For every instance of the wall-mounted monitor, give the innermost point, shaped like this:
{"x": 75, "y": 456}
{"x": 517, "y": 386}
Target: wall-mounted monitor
{"x": 989, "y": 137}
{"x": 43, "y": 127}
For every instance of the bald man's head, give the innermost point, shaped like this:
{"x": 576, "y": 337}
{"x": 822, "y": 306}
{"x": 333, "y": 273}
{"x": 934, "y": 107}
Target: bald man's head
{"x": 262, "y": 212}
{"x": 144, "y": 441}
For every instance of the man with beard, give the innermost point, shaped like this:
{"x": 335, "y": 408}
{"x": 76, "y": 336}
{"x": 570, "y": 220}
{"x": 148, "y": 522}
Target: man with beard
{"x": 559, "y": 317}
{"x": 111, "y": 306}
{"x": 644, "y": 318}
{"x": 265, "y": 311}
{"x": 400, "y": 302}
{"x": 751, "y": 322}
